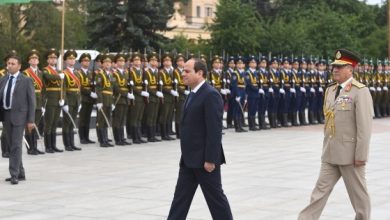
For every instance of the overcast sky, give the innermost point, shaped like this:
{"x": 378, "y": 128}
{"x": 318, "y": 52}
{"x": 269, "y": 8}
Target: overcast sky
{"x": 373, "y": 2}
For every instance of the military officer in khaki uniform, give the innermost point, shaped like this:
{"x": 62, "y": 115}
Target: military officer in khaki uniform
{"x": 348, "y": 119}
{"x": 72, "y": 101}
{"x": 104, "y": 91}
{"x": 53, "y": 83}
{"x": 36, "y": 75}
{"x": 181, "y": 89}
{"x": 153, "y": 87}
{"x": 88, "y": 97}
{"x": 121, "y": 93}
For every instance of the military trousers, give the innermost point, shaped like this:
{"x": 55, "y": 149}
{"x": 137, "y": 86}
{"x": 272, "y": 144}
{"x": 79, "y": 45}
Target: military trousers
{"x": 52, "y": 114}
{"x": 67, "y": 125}
{"x": 119, "y": 115}
{"x": 355, "y": 182}
{"x": 151, "y": 113}
{"x": 100, "y": 120}
{"x": 85, "y": 114}
{"x": 137, "y": 111}
{"x": 179, "y": 109}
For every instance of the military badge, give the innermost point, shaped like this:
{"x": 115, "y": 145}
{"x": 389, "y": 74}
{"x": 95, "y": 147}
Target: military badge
{"x": 338, "y": 55}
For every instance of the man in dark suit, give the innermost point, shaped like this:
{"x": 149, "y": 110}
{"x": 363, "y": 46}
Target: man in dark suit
{"x": 17, "y": 98}
{"x": 201, "y": 147}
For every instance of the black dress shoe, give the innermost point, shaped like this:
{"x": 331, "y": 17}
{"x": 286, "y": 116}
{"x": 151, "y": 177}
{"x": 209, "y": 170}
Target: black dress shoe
{"x": 14, "y": 180}
{"x": 32, "y": 152}
{"x": 69, "y": 148}
{"x": 84, "y": 141}
{"x": 75, "y": 148}
{"x": 40, "y": 152}
{"x": 57, "y": 150}
{"x": 20, "y": 178}
{"x": 90, "y": 142}
{"x": 49, "y": 150}
{"x": 5, "y": 155}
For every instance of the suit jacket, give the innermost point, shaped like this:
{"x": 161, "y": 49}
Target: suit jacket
{"x": 23, "y": 100}
{"x": 201, "y": 129}
{"x": 351, "y": 114}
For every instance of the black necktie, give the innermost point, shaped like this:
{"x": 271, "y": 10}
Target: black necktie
{"x": 189, "y": 98}
{"x": 338, "y": 91}
{"x": 8, "y": 93}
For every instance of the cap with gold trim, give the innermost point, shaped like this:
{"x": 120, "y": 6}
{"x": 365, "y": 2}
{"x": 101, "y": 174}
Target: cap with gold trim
{"x": 70, "y": 54}
{"x": 345, "y": 57}
{"x": 33, "y": 54}
{"x": 85, "y": 57}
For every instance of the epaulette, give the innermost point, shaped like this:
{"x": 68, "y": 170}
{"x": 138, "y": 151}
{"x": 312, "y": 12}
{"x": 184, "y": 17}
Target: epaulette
{"x": 358, "y": 84}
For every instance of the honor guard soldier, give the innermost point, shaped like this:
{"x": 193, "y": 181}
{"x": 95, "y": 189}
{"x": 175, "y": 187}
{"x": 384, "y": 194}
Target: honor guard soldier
{"x": 264, "y": 86}
{"x": 137, "y": 88}
{"x": 36, "y": 76}
{"x": 72, "y": 102}
{"x": 120, "y": 78}
{"x": 322, "y": 80}
{"x": 296, "y": 93}
{"x": 181, "y": 89}
{"x": 215, "y": 75}
{"x": 378, "y": 84}
{"x": 238, "y": 92}
{"x": 274, "y": 79}
{"x": 88, "y": 97}
{"x": 55, "y": 100}
{"x": 155, "y": 92}
{"x": 285, "y": 94}
{"x": 386, "y": 87}
{"x": 231, "y": 99}
{"x": 166, "y": 80}
{"x": 104, "y": 91}
{"x": 312, "y": 107}
{"x": 252, "y": 90}
{"x": 370, "y": 83}
{"x": 304, "y": 89}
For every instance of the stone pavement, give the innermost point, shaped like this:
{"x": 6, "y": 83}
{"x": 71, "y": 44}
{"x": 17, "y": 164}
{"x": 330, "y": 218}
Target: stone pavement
{"x": 269, "y": 175}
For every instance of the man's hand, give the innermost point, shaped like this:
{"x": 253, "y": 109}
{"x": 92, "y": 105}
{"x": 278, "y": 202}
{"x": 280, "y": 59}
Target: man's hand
{"x": 30, "y": 127}
{"x": 209, "y": 167}
{"x": 359, "y": 163}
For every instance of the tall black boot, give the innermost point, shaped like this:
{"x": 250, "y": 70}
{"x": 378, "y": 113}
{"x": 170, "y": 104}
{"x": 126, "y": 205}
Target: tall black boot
{"x": 99, "y": 132}
{"x": 320, "y": 117}
{"x": 242, "y": 121}
{"x": 139, "y": 135}
{"x": 295, "y": 119}
{"x": 134, "y": 135}
{"x": 168, "y": 135}
{"x": 177, "y": 129}
{"x": 86, "y": 135}
{"x": 229, "y": 120}
{"x": 240, "y": 125}
{"x": 251, "y": 122}
{"x": 285, "y": 122}
{"x": 71, "y": 141}
{"x": 128, "y": 132}
{"x": 105, "y": 137}
{"x": 47, "y": 140}
{"x": 302, "y": 118}
{"x": 66, "y": 141}
{"x": 169, "y": 128}
{"x": 154, "y": 128}
{"x": 122, "y": 136}
{"x": 34, "y": 137}
{"x": 312, "y": 119}
{"x": 53, "y": 143}
{"x": 271, "y": 122}
{"x": 30, "y": 148}
{"x": 117, "y": 136}
{"x": 83, "y": 140}
{"x": 262, "y": 122}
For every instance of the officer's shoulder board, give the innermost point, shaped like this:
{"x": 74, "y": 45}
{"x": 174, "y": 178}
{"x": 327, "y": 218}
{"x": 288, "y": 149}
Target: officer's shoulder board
{"x": 358, "y": 84}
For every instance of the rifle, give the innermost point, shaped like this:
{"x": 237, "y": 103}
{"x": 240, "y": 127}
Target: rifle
{"x": 130, "y": 86}
{"x": 174, "y": 84}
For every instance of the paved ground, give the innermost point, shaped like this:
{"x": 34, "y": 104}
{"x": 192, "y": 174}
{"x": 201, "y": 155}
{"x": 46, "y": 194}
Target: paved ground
{"x": 269, "y": 175}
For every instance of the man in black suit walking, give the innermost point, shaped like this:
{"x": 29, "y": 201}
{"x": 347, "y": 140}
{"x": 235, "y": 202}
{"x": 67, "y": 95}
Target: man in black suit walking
{"x": 17, "y": 98}
{"x": 201, "y": 147}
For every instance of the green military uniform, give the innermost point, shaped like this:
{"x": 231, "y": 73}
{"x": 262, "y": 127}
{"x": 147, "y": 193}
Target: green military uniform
{"x": 88, "y": 96}
{"x": 378, "y": 85}
{"x": 138, "y": 105}
{"x": 104, "y": 91}
{"x": 181, "y": 89}
{"x": 386, "y": 79}
{"x": 120, "y": 83}
{"x": 72, "y": 102}
{"x": 37, "y": 78}
{"x": 151, "y": 109}
{"x": 53, "y": 84}
{"x": 166, "y": 77}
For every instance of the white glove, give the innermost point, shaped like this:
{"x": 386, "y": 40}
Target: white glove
{"x": 130, "y": 96}
{"x": 62, "y": 76}
{"x": 303, "y": 90}
{"x": 292, "y": 90}
{"x": 61, "y": 102}
{"x": 175, "y": 81}
{"x": 99, "y": 106}
{"x": 271, "y": 90}
{"x": 65, "y": 108}
{"x": 131, "y": 82}
{"x": 379, "y": 89}
{"x": 372, "y": 89}
{"x": 78, "y": 110}
{"x": 223, "y": 92}
{"x": 43, "y": 110}
{"x": 312, "y": 90}
{"x": 228, "y": 81}
{"x": 320, "y": 89}
{"x": 186, "y": 92}
{"x": 93, "y": 95}
{"x": 385, "y": 88}
{"x": 144, "y": 94}
{"x": 112, "y": 107}
{"x": 146, "y": 82}
{"x": 161, "y": 95}
{"x": 281, "y": 91}
{"x": 212, "y": 82}
{"x": 174, "y": 93}
{"x": 161, "y": 82}
{"x": 238, "y": 98}
{"x": 261, "y": 91}
{"x": 228, "y": 91}
{"x": 224, "y": 80}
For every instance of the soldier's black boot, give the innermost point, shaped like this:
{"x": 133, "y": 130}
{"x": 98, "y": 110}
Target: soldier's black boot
{"x": 99, "y": 132}
{"x": 169, "y": 128}
{"x": 251, "y": 122}
{"x": 134, "y": 135}
{"x": 302, "y": 118}
{"x": 320, "y": 117}
{"x": 239, "y": 122}
{"x": 312, "y": 119}
{"x": 47, "y": 140}
{"x": 169, "y": 125}
{"x": 82, "y": 135}
{"x": 116, "y": 137}
{"x": 122, "y": 136}
{"x": 34, "y": 137}
{"x": 65, "y": 140}
{"x": 377, "y": 112}
{"x": 229, "y": 120}
{"x": 177, "y": 129}
{"x": 285, "y": 122}
{"x": 242, "y": 121}
{"x": 71, "y": 141}
{"x": 105, "y": 137}
{"x": 139, "y": 135}
{"x": 53, "y": 143}
{"x": 86, "y": 134}
{"x": 153, "y": 130}
{"x": 271, "y": 123}
{"x": 30, "y": 148}
{"x": 262, "y": 123}
{"x": 274, "y": 121}
{"x": 295, "y": 119}
{"x": 164, "y": 134}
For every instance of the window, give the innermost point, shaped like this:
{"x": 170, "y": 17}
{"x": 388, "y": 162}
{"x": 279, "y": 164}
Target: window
{"x": 198, "y": 11}
{"x": 209, "y": 11}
